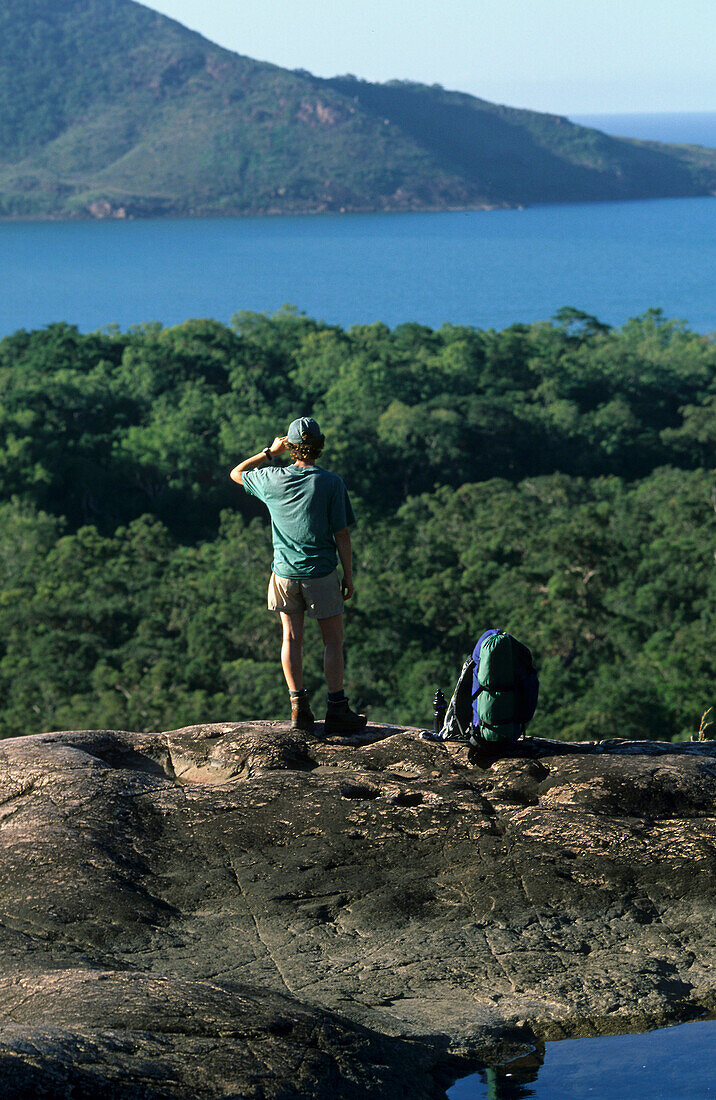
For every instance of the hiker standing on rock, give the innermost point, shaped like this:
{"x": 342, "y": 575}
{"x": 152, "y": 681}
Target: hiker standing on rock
{"x": 310, "y": 515}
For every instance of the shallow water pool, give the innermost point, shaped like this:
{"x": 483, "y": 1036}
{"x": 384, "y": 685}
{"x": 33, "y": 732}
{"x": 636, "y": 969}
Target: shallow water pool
{"x": 675, "y": 1063}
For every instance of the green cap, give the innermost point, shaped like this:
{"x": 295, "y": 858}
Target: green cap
{"x": 304, "y": 430}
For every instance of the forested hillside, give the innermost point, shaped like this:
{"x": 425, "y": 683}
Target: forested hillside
{"x": 110, "y": 109}
{"x": 554, "y": 479}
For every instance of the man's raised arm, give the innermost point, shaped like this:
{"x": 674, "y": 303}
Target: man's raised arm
{"x": 277, "y": 447}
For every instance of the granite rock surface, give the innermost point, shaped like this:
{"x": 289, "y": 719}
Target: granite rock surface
{"x": 240, "y": 911}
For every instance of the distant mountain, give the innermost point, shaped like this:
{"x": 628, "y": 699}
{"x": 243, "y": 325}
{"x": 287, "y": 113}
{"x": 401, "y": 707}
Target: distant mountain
{"x": 110, "y": 109}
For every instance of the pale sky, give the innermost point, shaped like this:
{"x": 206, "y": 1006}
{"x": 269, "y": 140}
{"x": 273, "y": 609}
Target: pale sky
{"x": 563, "y": 56}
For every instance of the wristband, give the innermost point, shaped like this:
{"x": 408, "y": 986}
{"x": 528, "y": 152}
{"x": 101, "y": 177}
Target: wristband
{"x": 269, "y": 456}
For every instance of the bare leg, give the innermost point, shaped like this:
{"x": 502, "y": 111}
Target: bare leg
{"x": 292, "y": 649}
{"x": 332, "y": 634}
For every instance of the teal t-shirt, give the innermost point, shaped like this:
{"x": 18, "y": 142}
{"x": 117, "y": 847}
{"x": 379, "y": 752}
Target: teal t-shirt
{"x": 307, "y": 506}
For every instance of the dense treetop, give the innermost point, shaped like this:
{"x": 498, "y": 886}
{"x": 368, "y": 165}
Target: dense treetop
{"x": 554, "y": 479}
{"x": 109, "y": 106}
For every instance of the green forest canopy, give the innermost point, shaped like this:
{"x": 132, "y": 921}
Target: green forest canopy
{"x": 554, "y": 479}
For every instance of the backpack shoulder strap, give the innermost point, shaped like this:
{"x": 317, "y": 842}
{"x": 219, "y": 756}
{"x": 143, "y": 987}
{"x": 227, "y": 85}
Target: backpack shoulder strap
{"x": 458, "y": 716}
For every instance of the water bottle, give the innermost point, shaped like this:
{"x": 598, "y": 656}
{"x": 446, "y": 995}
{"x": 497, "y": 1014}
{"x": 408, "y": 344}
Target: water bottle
{"x": 439, "y": 708}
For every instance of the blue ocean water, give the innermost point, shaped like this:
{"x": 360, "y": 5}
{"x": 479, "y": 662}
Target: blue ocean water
{"x": 689, "y": 128}
{"x": 673, "y": 1063}
{"x": 483, "y": 268}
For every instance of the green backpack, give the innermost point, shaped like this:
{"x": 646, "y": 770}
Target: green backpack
{"x": 505, "y": 687}
{"x": 496, "y": 692}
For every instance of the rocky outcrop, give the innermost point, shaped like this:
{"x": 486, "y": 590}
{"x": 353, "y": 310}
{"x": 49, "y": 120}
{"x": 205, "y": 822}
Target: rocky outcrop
{"x": 236, "y": 910}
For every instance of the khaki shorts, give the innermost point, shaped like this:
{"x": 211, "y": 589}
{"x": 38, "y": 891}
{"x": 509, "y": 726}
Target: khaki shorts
{"x": 319, "y": 597}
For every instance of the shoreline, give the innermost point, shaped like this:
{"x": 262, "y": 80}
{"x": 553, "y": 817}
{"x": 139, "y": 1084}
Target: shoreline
{"x": 345, "y": 211}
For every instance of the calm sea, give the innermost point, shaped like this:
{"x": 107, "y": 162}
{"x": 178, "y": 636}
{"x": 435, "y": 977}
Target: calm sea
{"x": 484, "y": 268}
{"x": 691, "y": 128}
{"x": 673, "y": 1063}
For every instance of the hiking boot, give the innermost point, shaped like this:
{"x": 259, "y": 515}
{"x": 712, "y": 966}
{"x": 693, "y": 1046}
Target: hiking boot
{"x": 341, "y": 719}
{"x": 302, "y": 716}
